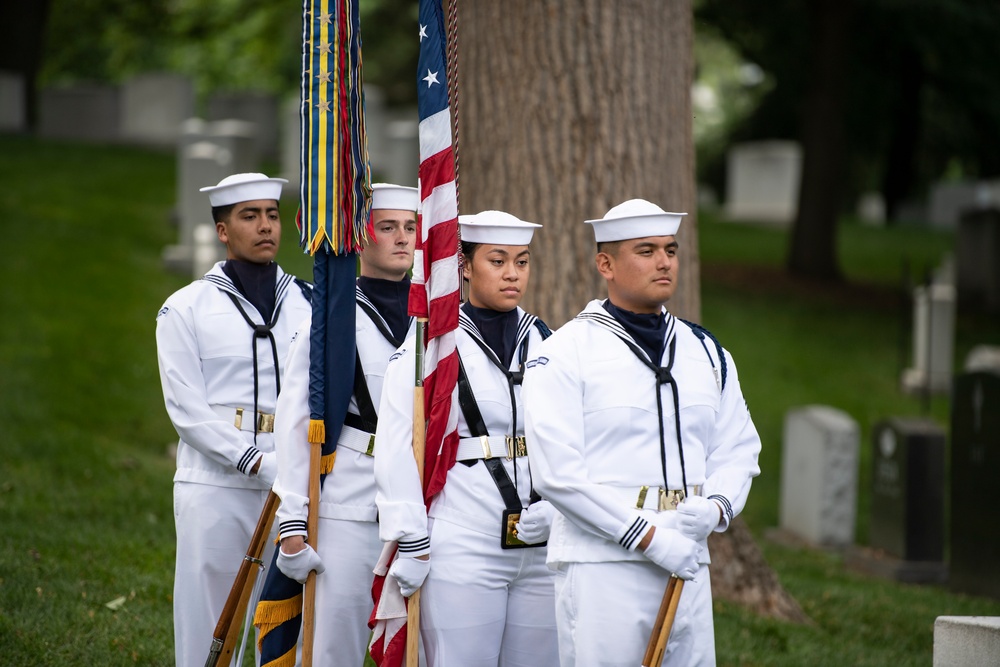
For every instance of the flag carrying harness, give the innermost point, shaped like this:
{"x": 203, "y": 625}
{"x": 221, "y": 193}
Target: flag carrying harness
{"x": 367, "y": 419}
{"x": 477, "y": 428}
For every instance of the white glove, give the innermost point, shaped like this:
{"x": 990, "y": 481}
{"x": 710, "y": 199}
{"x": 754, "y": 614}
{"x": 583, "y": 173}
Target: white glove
{"x": 674, "y": 552}
{"x": 268, "y": 469}
{"x": 697, "y": 517}
{"x": 298, "y": 565}
{"x": 409, "y": 573}
{"x": 535, "y": 522}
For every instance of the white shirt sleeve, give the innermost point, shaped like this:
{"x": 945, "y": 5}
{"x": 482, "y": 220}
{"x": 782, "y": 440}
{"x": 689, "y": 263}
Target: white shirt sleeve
{"x": 398, "y": 494}
{"x": 186, "y": 397}
{"x": 732, "y": 464}
{"x": 291, "y": 438}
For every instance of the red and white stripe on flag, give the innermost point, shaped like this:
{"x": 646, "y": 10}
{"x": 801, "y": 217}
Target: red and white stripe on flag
{"x": 434, "y": 296}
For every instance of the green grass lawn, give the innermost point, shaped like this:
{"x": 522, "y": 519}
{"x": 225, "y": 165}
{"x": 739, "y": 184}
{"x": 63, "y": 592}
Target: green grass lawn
{"x": 85, "y": 480}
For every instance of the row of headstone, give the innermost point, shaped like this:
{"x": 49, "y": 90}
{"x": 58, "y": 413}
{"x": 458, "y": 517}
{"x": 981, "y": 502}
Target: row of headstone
{"x": 208, "y": 151}
{"x": 763, "y": 179}
{"x": 933, "y": 335}
{"x": 950, "y": 200}
{"x": 150, "y": 109}
{"x": 762, "y": 185}
{"x": 819, "y": 477}
{"x": 914, "y": 478}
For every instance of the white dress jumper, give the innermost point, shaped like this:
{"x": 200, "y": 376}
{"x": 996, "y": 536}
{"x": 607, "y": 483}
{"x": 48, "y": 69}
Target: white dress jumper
{"x": 211, "y": 362}
{"x": 481, "y": 605}
{"x": 595, "y": 425}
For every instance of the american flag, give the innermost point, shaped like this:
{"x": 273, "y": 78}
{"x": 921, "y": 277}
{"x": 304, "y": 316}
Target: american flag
{"x": 434, "y": 296}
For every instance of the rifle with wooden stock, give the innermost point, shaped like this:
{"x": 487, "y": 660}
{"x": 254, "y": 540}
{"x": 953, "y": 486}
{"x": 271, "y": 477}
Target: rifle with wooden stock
{"x": 227, "y": 630}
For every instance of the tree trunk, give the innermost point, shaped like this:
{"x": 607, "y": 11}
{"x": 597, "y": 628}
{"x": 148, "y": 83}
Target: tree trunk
{"x": 814, "y": 238}
{"x": 22, "y": 32}
{"x": 740, "y": 574}
{"x": 566, "y": 108}
{"x": 900, "y": 165}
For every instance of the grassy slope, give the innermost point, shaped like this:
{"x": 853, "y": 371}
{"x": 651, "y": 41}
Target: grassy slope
{"x": 85, "y": 491}
{"x": 86, "y": 485}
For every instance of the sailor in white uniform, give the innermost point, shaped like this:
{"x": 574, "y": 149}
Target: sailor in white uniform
{"x": 347, "y": 546}
{"x": 221, "y": 343}
{"x": 488, "y": 596}
{"x": 631, "y": 411}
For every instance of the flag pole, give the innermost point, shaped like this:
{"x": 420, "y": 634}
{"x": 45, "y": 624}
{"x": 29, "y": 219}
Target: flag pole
{"x": 312, "y": 530}
{"x": 419, "y": 442}
{"x": 664, "y": 622}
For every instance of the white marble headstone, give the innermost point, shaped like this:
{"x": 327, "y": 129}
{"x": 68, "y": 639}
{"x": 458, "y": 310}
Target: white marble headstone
{"x": 819, "y": 475}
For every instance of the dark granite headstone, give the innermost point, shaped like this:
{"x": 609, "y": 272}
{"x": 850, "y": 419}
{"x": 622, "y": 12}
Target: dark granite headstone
{"x": 977, "y": 249}
{"x": 908, "y": 473}
{"x": 975, "y": 483}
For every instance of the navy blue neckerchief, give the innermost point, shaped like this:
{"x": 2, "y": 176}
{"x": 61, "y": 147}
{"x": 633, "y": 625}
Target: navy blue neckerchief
{"x": 389, "y": 299}
{"x": 497, "y": 329}
{"x": 255, "y": 282}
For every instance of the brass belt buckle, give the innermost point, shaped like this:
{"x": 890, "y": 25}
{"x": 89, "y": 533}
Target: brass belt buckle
{"x": 485, "y": 441}
{"x": 516, "y": 446}
{"x": 670, "y": 499}
{"x": 265, "y": 423}
{"x": 371, "y": 446}
{"x": 238, "y": 422}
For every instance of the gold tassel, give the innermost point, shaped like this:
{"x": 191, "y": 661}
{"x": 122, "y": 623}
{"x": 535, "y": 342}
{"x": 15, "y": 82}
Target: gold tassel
{"x": 317, "y": 432}
{"x": 326, "y": 463}
{"x": 272, "y": 613}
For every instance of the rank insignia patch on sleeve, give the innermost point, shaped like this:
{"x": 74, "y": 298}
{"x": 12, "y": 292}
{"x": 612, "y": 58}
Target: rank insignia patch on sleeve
{"x": 540, "y": 361}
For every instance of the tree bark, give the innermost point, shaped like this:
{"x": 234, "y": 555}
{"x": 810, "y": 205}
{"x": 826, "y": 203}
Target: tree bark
{"x": 566, "y": 108}
{"x": 22, "y": 33}
{"x": 904, "y": 137}
{"x": 813, "y": 251}
{"x": 741, "y": 575}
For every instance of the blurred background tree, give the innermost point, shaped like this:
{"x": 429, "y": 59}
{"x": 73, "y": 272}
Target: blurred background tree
{"x": 918, "y": 99}
{"x": 221, "y": 44}
{"x": 884, "y": 95}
